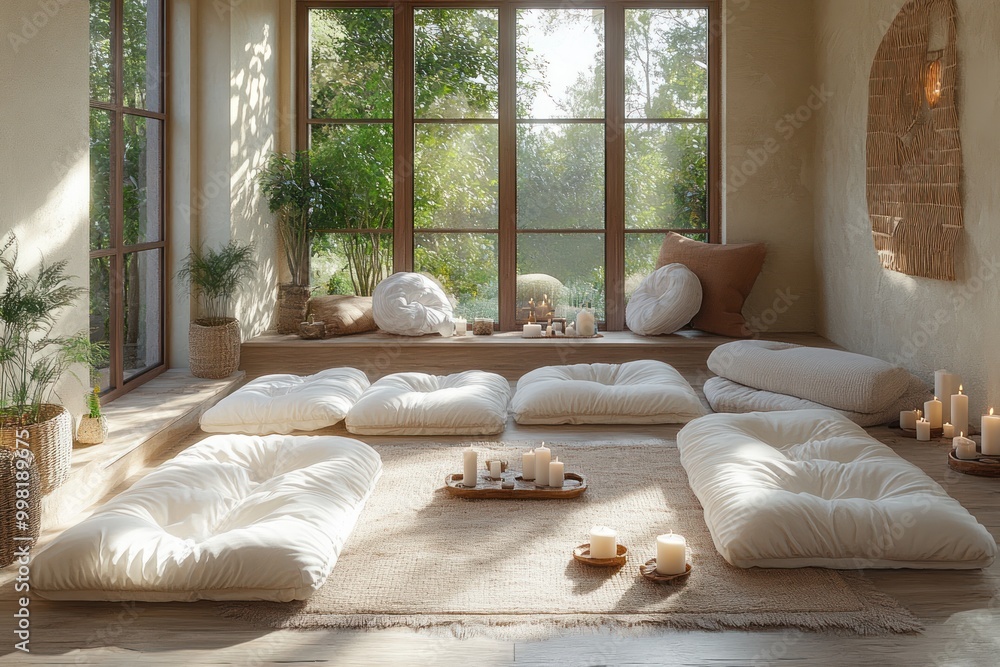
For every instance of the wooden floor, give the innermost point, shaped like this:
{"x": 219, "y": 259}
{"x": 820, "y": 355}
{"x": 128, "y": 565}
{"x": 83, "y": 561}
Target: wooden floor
{"x": 961, "y": 611}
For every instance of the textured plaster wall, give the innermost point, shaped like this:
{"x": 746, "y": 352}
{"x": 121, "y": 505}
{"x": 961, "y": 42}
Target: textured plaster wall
{"x": 771, "y": 98}
{"x": 44, "y": 147}
{"x": 921, "y": 323}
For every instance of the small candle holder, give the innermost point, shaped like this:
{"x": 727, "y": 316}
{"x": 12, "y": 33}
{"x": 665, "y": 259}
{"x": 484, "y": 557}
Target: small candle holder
{"x": 503, "y": 465}
{"x": 582, "y": 554}
{"x": 648, "y": 571}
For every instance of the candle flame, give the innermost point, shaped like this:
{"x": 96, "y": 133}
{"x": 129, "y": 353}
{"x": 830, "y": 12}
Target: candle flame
{"x": 961, "y": 434}
{"x": 961, "y": 388}
{"x": 991, "y": 412}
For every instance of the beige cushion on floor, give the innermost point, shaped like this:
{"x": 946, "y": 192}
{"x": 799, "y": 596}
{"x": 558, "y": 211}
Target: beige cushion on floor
{"x": 342, "y": 314}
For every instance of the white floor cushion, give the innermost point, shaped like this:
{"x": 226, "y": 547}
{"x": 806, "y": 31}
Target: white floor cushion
{"x": 469, "y": 403}
{"x": 231, "y": 518}
{"x": 812, "y": 489}
{"x": 286, "y": 403}
{"x": 728, "y": 396}
{"x": 665, "y": 301}
{"x": 411, "y": 304}
{"x": 636, "y": 392}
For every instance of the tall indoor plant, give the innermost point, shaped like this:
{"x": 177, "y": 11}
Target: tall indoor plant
{"x": 292, "y": 195}
{"x": 34, "y": 358}
{"x": 217, "y": 276}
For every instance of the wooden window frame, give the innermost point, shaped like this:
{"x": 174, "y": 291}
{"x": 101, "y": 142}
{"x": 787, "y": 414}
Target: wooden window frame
{"x": 117, "y": 249}
{"x": 615, "y": 122}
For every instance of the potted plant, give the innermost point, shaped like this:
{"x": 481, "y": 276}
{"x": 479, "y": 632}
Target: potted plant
{"x": 217, "y": 276}
{"x": 33, "y": 358}
{"x": 292, "y": 195}
{"x": 93, "y": 428}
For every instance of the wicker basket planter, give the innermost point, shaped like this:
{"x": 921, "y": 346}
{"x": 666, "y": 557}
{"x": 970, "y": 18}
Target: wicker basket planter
{"x": 92, "y": 430}
{"x": 19, "y": 523}
{"x": 292, "y": 303}
{"x": 50, "y": 441}
{"x": 214, "y": 349}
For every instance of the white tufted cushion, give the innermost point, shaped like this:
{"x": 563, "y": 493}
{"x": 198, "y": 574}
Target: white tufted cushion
{"x": 286, "y": 403}
{"x": 231, "y": 518}
{"x": 811, "y": 489}
{"x": 667, "y": 299}
{"x": 469, "y": 403}
{"x": 410, "y": 304}
{"x": 636, "y": 392}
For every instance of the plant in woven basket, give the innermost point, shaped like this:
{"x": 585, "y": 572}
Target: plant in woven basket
{"x": 216, "y": 276}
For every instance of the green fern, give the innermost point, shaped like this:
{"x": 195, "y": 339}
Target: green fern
{"x": 218, "y": 276}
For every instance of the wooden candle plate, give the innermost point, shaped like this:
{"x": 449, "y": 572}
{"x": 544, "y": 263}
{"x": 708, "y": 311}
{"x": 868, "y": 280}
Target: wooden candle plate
{"x": 649, "y": 572}
{"x": 582, "y": 554}
{"x": 984, "y": 466}
{"x": 935, "y": 432}
{"x": 490, "y": 489}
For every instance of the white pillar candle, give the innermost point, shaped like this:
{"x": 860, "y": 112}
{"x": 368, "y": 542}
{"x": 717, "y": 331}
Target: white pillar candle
{"x": 908, "y": 419}
{"x": 557, "y": 473}
{"x": 923, "y": 430}
{"x": 571, "y": 330}
{"x": 991, "y": 434}
{"x": 461, "y": 326}
{"x": 934, "y": 413}
{"x": 671, "y": 554}
{"x": 548, "y": 331}
{"x": 528, "y": 466}
{"x": 495, "y": 470}
{"x": 585, "y": 322}
{"x": 603, "y": 542}
{"x": 470, "y": 471}
{"x": 965, "y": 448}
{"x": 532, "y": 331}
{"x": 960, "y": 411}
{"x": 948, "y": 431}
{"x": 543, "y": 456}
{"x": 945, "y": 385}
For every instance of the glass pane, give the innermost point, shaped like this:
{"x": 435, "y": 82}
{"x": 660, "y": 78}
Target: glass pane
{"x": 141, "y": 286}
{"x": 666, "y": 63}
{"x": 354, "y": 162}
{"x": 142, "y": 54}
{"x": 100, "y": 313}
{"x": 350, "y": 263}
{"x": 467, "y": 267}
{"x": 100, "y": 179}
{"x": 560, "y": 176}
{"x": 142, "y": 181}
{"x": 560, "y": 63}
{"x": 569, "y": 268}
{"x": 666, "y": 176}
{"x": 455, "y": 63}
{"x": 101, "y": 80}
{"x": 455, "y": 177}
{"x": 351, "y": 63}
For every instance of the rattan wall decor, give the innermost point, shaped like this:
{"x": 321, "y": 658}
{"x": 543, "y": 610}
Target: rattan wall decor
{"x": 914, "y": 149}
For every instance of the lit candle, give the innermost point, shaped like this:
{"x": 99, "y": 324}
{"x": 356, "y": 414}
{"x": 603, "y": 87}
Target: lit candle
{"x": 543, "y": 456}
{"x": 557, "y": 473}
{"x": 908, "y": 419}
{"x": 960, "y": 411}
{"x": 585, "y": 323}
{"x": 495, "y": 470}
{"x": 948, "y": 431}
{"x": 470, "y": 472}
{"x": 603, "y": 542}
{"x": 991, "y": 434}
{"x": 461, "y": 326}
{"x": 671, "y": 554}
{"x": 528, "y": 466}
{"x": 923, "y": 430}
{"x": 965, "y": 448}
{"x": 934, "y": 413}
{"x": 532, "y": 331}
{"x": 548, "y": 331}
{"x": 946, "y": 384}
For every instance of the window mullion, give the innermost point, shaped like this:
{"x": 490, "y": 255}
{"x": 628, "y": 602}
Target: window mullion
{"x": 403, "y": 158}
{"x": 614, "y": 285}
{"x": 507, "y": 110}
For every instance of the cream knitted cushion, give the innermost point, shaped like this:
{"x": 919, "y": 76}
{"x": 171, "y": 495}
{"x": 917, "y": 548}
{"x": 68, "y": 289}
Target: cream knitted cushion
{"x": 665, "y": 301}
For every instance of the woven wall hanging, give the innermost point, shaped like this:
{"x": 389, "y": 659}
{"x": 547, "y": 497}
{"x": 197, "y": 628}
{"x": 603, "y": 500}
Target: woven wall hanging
{"x": 914, "y": 147}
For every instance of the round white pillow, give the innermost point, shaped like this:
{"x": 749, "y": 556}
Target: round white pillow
{"x": 666, "y": 300}
{"x": 411, "y": 304}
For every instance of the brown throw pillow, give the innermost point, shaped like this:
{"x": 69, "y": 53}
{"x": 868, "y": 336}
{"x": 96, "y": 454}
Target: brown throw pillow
{"x": 343, "y": 314}
{"x": 727, "y": 274}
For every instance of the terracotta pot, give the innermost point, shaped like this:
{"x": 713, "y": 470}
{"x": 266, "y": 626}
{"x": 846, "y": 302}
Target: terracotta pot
{"x": 92, "y": 430}
{"x": 214, "y": 349}
{"x": 292, "y": 303}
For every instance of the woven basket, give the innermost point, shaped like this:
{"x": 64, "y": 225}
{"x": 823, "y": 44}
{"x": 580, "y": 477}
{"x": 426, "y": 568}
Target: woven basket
{"x": 92, "y": 430}
{"x": 214, "y": 349}
{"x": 24, "y": 521}
{"x": 51, "y": 442}
{"x": 292, "y": 303}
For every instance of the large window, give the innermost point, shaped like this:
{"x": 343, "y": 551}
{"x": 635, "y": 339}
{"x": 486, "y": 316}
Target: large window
{"x": 514, "y": 150}
{"x": 126, "y": 188}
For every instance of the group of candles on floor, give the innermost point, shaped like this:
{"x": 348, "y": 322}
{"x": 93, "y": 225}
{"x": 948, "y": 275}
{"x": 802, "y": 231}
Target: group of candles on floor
{"x": 538, "y": 465}
{"x": 952, "y": 419}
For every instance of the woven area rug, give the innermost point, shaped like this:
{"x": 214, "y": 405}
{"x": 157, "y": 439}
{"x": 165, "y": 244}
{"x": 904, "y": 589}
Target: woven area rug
{"x": 424, "y": 560}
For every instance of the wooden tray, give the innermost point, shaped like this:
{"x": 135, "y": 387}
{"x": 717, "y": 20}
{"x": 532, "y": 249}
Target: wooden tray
{"x": 523, "y": 490}
{"x": 649, "y": 572}
{"x": 984, "y": 466}
{"x": 582, "y": 554}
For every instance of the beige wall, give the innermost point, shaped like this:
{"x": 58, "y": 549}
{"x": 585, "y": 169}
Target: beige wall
{"x": 921, "y": 323}
{"x": 44, "y": 147}
{"x": 771, "y": 97}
